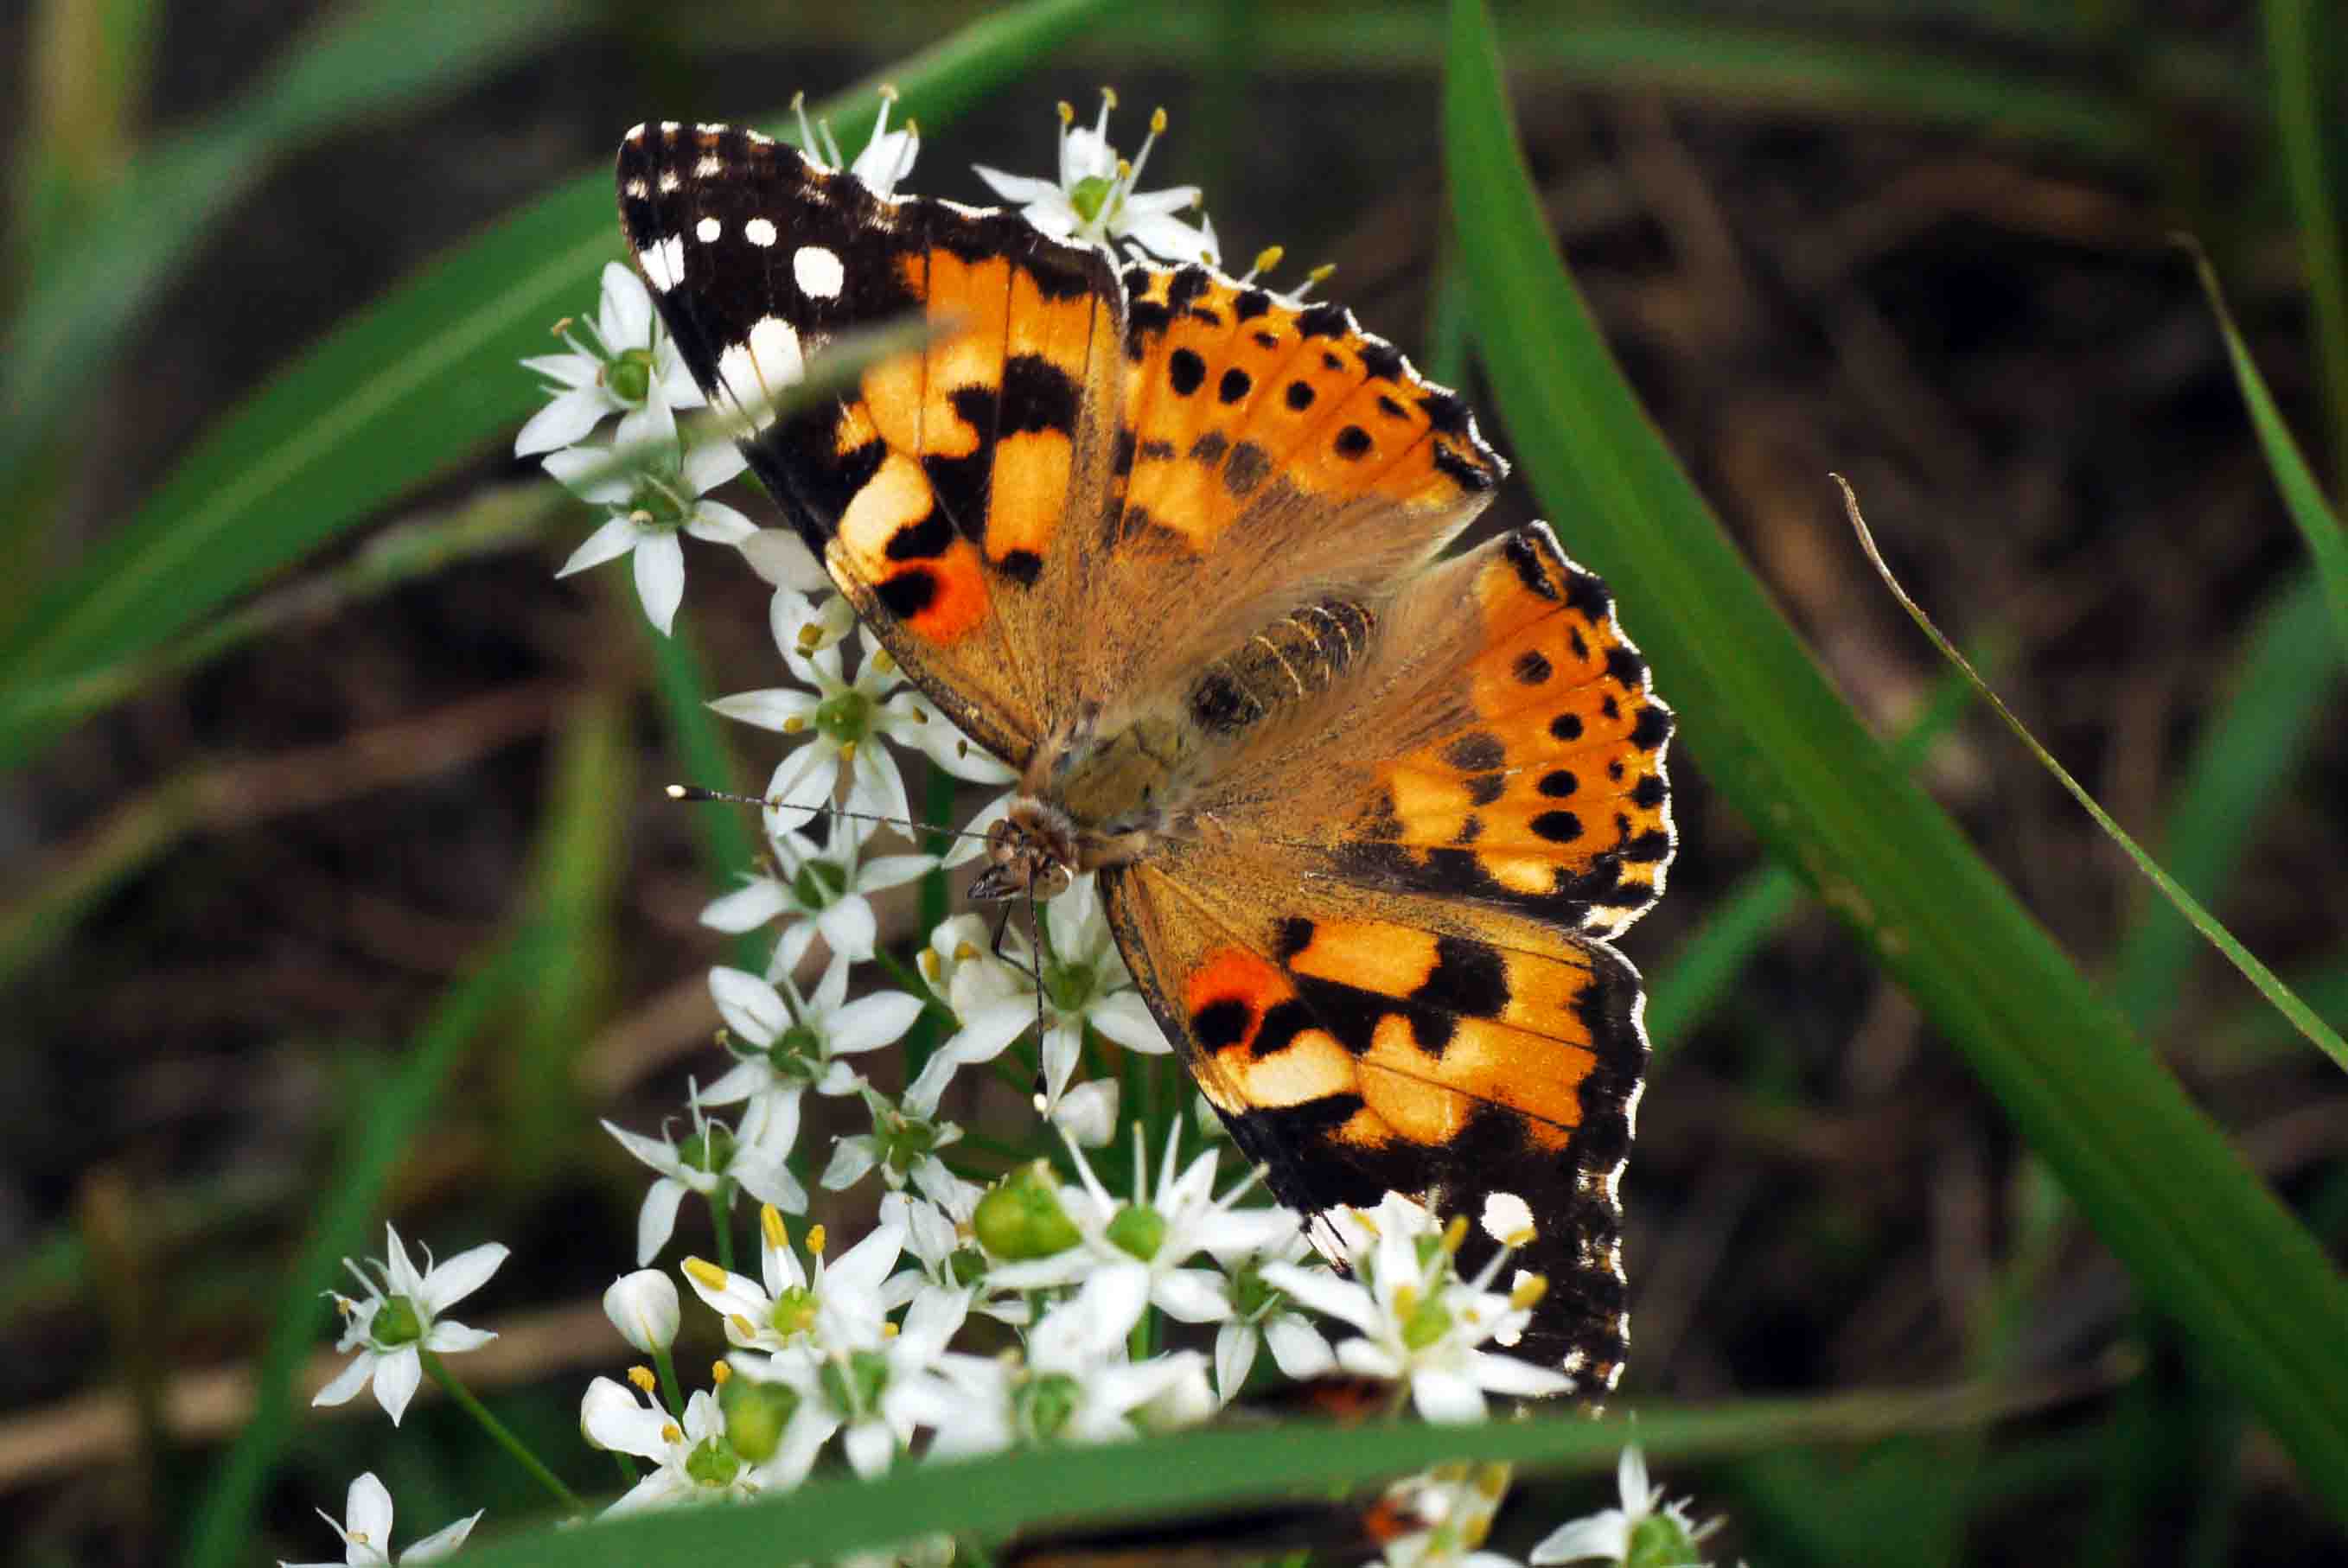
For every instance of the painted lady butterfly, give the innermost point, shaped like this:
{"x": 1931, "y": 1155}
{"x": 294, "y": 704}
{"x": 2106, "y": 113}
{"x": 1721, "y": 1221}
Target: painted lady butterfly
{"x": 1366, "y": 816}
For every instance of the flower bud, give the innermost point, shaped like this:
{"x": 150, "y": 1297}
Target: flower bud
{"x": 643, "y": 1307}
{"x": 1021, "y": 1217}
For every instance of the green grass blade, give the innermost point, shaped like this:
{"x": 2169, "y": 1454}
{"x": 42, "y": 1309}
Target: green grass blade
{"x": 1128, "y": 1483}
{"x": 2202, "y": 1236}
{"x": 221, "y": 1533}
{"x": 93, "y": 284}
{"x": 2297, "y": 51}
{"x": 2317, "y": 524}
{"x": 403, "y": 389}
{"x": 1696, "y": 978}
{"x": 2259, "y": 974}
{"x": 2249, "y": 748}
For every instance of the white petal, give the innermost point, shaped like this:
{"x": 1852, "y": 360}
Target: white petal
{"x": 877, "y": 788}
{"x": 766, "y": 1178}
{"x": 1192, "y": 1295}
{"x": 711, "y": 464}
{"x": 616, "y": 1419}
{"x": 655, "y": 1152}
{"x": 1018, "y": 188}
{"x": 346, "y": 1382}
{"x": 781, "y": 557}
{"x": 573, "y": 466}
{"x": 563, "y": 420}
{"x": 851, "y": 1158}
{"x": 461, "y": 1275}
{"x": 1603, "y": 1536}
{"x": 1365, "y": 1359}
{"x": 396, "y": 1377}
{"x": 443, "y": 1542}
{"x": 1447, "y": 1398}
{"x": 1088, "y": 1113}
{"x": 850, "y": 928}
{"x": 1235, "y": 1346}
{"x": 1508, "y": 1375}
{"x": 1325, "y": 1293}
{"x": 1630, "y": 1480}
{"x": 715, "y": 522}
{"x": 1126, "y": 1019}
{"x": 366, "y": 1511}
{"x": 568, "y": 371}
{"x": 451, "y": 1338}
{"x": 1164, "y": 235}
{"x": 869, "y": 1447}
{"x": 1300, "y": 1348}
{"x": 658, "y": 1218}
{"x": 892, "y": 871}
{"x": 647, "y": 434}
{"x": 869, "y": 1022}
{"x": 614, "y": 540}
{"x": 625, "y": 319}
{"x": 751, "y": 1008}
{"x": 770, "y": 709}
{"x": 674, "y": 378}
{"x": 660, "y": 578}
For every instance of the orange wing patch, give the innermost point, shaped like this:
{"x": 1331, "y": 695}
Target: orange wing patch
{"x": 1231, "y": 391}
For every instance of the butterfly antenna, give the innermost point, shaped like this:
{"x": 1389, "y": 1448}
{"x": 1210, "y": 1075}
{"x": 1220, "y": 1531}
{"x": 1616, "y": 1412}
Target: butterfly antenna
{"x": 915, "y": 830}
{"x": 1043, "y": 1086}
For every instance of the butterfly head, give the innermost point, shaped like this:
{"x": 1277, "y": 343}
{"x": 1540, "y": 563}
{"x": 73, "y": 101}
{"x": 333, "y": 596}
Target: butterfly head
{"x": 1031, "y": 851}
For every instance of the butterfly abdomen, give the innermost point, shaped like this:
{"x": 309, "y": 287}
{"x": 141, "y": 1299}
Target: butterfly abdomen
{"x": 1291, "y": 660}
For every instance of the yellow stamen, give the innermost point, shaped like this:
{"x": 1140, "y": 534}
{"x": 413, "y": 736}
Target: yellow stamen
{"x": 793, "y": 725}
{"x": 847, "y": 752}
{"x": 1269, "y": 257}
{"x": 771, "y": 1228}
{"x": 815, "y": 1240}
{"x": 1454, "y": 1234}
{"x": 719, "y": 1373}
{"x": 1109, "y": 97}
{"x": 563, "y": 327}
{"x": 1068, "y": 112}
{"x": 669, "y": 1434}
{"x": 704, "y": 1272}
{"x": 642, "y": 1376}
{"x": 743, "y": 1325}
{"x": 888, "y": 92}
{"x": 1157, "y": 122}
{"x": 889, "y": 1331}
{"x": 1321, "y": 274}
{"x": 1528, "y": 1292}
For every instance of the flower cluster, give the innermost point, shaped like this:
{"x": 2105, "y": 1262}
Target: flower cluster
{"x": 1000, "y": 1297}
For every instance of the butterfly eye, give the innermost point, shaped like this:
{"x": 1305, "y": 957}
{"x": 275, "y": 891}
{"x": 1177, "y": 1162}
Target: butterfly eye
{"x": 1052, "y": 880}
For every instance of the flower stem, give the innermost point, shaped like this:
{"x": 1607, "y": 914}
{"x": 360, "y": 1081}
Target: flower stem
{"x": 669, "y": 1385}
{"x": 721, "y": 1211}
{"x": 496, "y": 1429}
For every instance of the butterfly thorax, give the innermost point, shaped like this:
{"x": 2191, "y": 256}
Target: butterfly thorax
{"x": 1086, "y": 801}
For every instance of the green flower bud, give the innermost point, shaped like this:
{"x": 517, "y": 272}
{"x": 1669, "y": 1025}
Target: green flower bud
{"x": 1021, "y": 1217}
{"x": 756, "y": 1415}
{"x": 713, "y": 1462}
{"x": 1137, "y": 1232}
{"x": 396, "y": 1323}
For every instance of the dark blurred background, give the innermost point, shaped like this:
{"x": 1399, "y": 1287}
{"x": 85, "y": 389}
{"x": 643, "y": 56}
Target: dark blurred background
{"x": 1806, "y": 262}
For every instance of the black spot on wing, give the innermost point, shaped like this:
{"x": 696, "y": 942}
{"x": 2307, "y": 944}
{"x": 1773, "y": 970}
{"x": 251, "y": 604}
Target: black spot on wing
{"x": 1037, "y": 395}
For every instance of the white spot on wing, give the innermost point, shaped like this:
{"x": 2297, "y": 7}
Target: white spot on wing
{"x": 707, "y": 231}
{"x": 1507, "y": 1218}
{"x": 668, "y": 181}
{"x": 637, "y": 188}
{"x": 758, "y": 232}
{"x": 707, "y": 168}
{"x": 819, "y": 272}
{"x": 664, "y": 262}
{"x": 752, "y": 374}
{"x": 635, "y": 132}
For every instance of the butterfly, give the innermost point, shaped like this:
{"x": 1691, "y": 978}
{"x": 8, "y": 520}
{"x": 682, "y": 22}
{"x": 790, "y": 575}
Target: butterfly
{"x": 1366, "y": 813}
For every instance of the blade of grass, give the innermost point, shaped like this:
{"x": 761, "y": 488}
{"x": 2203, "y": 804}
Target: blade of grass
{"x": 98, "y": 275}
{"x": 2297, "y": 48}
{"x": 2318, "y": 1032}
{"x": 1694, "y": 979}
{"x": 1066, "y": 1487}
{"x": 2253, "y": 744}
{"x": 402, "y": 390}
{"x": 2203, "y": 1237}
{"x": 2317, "y": 524}
{"x": 219, "y": 1533}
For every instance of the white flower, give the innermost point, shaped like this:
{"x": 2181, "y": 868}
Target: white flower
{"x": 1094, "y": 197}
{"x": 1074, "y": 1384}
{"x": 1457, "y": 1504}
{"x": 366, "y": 1530}
{"x": 643, "y": 1307}
{"x": 887, "y": 157}
{"x": 1084, "y": 982}
{"x": 401, "y": 1317}
{"x": 627, "y": 359}
{"x": 843, "y": 721}
{"x": 827, "y": 887}
{"x": 1262, "y": 1314}
{"x": 1087, "y": 1113}
{"x": 840, "y": 1303}
{"x": 751, "y": 1156}
{"x": 653, "y": 485}
{"x": 785, "y": 1044}
{"x": 781, "y": 557}
{"x": 902, "y": 1145}
{"x": 938, "y": 1238}
{"x": 697, "y": 1463}
{"x": 1151, "y": 1238}
{"x": 1665, "y": 1534}
{"x": 877, "y": 1391}
{"x": 1420, "y": 1324}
